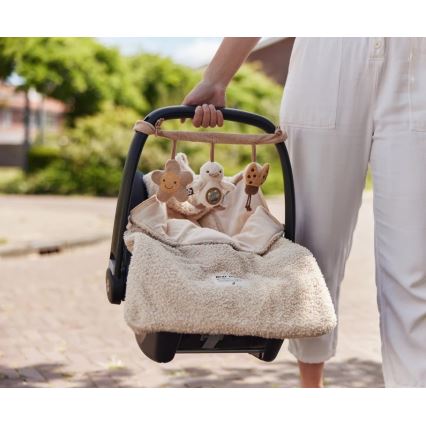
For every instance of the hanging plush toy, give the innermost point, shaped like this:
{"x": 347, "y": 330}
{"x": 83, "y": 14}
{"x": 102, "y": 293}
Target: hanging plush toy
{"x": 254, "y": 176}
{"x": 172, "y": 181}
{"x": 210, "y": 187}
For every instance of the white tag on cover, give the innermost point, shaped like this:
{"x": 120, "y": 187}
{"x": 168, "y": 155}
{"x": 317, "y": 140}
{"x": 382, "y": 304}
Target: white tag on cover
{"x": 227, "y": 279}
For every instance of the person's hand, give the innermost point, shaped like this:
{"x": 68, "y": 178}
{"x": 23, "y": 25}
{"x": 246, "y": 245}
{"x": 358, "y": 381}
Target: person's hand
{"x": 207, "y": 96}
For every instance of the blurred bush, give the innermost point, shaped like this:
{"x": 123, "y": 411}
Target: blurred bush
{"x": 106, "y": 93}
{"x": 41, "y": 156}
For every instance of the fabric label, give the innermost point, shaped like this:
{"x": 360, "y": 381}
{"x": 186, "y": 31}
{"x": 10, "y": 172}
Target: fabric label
{"x": 228, "y": 279}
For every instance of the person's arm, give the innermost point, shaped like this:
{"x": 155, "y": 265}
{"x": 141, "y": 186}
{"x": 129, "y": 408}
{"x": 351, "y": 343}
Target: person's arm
{"x": 210, "y": 92}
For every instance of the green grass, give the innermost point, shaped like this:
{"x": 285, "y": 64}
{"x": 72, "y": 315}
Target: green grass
{"x": 12, "y": 180}
{"x": 8, "y": 174}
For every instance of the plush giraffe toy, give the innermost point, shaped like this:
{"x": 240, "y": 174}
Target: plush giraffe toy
{"x": 254, "y": 176}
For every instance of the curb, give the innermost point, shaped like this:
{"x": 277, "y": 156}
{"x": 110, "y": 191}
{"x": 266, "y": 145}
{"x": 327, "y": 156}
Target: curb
{"x": 50, "y": 246}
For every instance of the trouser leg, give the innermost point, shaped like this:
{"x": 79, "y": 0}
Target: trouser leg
{"x": 329, "y": 172}
{"x": 326, "y": 112}
{"x": 329, "y": 166}
{"x": 398, "y": 162}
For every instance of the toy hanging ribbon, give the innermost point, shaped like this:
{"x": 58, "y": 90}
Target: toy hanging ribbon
{"x": 210, "y": 187}
{"x": 254, "y": 174}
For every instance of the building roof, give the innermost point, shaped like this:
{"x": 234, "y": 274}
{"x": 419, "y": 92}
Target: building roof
{"x": 12, "y": 98}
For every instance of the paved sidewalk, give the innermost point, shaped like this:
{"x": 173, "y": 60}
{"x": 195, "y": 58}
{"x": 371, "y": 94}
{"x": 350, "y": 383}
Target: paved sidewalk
{"x": 33, "y": 223}
{"x": 58, "y": 329}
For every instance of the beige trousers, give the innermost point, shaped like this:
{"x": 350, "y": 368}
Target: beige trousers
{"x": 348, "y": 102}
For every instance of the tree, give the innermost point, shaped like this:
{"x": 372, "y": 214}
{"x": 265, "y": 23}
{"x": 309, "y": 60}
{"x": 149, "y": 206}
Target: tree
{"x": 106, "y": 93}
{"x": 159, "y": 80}
{"x": 78, "y": 71}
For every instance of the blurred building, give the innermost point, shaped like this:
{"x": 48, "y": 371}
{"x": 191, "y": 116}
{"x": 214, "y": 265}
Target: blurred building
{"x": 273, "y": 54}
{"x": 46, "y": 116}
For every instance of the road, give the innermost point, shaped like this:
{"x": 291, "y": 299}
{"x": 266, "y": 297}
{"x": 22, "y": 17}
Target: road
{"x": 58, "y": 329}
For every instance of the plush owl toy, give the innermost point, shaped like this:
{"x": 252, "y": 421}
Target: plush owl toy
{"x": 210, "y": 187}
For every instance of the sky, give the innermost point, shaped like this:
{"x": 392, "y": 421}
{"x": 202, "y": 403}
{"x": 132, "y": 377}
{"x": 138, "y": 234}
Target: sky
{"x": 191, "y": 51}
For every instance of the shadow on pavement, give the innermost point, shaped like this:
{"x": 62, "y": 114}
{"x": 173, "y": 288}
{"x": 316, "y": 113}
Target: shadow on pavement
{"x": 350, "y": 373}
{"x": 56, "y": 375}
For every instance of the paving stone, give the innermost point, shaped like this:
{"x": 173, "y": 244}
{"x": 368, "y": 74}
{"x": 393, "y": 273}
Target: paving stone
{"x": 58, "y": 330}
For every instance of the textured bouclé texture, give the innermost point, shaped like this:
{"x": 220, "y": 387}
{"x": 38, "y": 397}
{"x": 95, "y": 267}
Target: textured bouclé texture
{"x": 222, "y": 286}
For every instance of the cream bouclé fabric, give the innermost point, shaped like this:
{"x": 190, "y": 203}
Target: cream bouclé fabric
{"x": 187, "y": 278}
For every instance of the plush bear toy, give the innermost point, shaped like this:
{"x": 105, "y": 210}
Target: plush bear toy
{"x": 210, "y": 187}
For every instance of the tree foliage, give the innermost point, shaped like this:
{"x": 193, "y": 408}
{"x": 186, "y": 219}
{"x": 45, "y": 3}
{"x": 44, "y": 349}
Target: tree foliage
{"x": 78, "y": 71}
{"x": 106, "y": 92}
{"x": 159, "y": 80}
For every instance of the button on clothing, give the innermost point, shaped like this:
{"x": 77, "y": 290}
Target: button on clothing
{"x": 349, "y": 102}
{"x": 378, "y": 47}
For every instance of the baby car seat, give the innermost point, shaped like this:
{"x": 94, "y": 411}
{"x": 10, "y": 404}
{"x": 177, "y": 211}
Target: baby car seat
{"x": 162, "y": 346}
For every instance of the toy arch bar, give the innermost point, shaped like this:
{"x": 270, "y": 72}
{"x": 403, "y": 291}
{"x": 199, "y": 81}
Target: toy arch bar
{"x": 210, "y": 137}
{"x": 117, "y": 269}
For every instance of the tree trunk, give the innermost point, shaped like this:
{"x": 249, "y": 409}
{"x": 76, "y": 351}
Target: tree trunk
{"x": 42, "y": 112}
{"x": 27, "y": 131}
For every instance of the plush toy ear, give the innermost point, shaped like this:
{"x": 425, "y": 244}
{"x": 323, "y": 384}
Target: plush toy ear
{"x": 182, "y": 158}
{"x": 156, "y": 176}
{"x": 236, "y": 178}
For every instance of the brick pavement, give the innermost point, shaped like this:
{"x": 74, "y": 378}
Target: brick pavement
{"x": 42, "y": 220}
{"x": 58, "y": 330}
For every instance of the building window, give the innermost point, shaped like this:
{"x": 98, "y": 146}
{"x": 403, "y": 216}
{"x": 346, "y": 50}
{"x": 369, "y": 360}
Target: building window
{"x": 52, "y": 120}
{"x": 5, "y": 117}
{"x": 18, "y": 116}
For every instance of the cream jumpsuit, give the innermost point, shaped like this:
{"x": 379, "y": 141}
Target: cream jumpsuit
{"x": 348, "y": 102}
